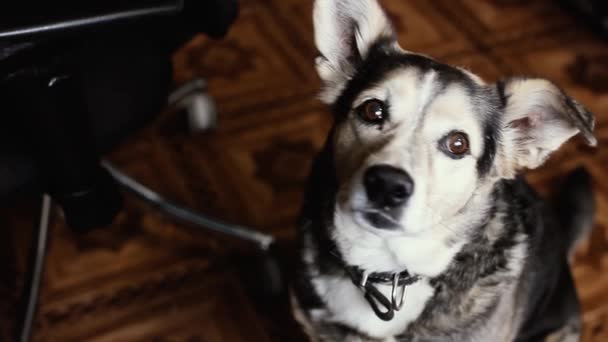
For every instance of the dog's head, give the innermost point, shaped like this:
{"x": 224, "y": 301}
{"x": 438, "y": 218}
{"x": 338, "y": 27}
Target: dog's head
{"x": 417, "y": 143}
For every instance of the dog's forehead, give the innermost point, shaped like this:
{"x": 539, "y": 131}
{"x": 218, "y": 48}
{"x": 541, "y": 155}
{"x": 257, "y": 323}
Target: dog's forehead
{"x": 382, "y": 64}
{"x": 416, "y": 91}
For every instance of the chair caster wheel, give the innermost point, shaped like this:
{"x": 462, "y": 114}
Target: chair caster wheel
{"x": 199, "y": 106}
{"x": 202, "y": 113}
{"x": 271, "y": 278}
{"x": 262, "y": 275}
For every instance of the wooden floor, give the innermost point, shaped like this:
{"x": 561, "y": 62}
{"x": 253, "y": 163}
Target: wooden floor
{"x": 148, "y": 278}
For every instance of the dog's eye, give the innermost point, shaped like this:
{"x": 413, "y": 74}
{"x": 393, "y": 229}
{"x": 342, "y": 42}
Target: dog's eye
{"x": 372, "y": 111}
{"x": 457, "y": 143}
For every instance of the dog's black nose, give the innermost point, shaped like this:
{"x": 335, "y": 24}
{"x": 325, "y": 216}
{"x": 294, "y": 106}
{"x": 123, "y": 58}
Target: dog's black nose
{"x": 387, "y": 186}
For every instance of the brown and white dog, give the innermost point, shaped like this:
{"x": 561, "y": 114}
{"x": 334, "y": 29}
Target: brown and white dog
{"x": 416, "y": 225}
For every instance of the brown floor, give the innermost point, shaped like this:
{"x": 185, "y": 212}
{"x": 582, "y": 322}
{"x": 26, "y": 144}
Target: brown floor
{"x": 148, "y": 278}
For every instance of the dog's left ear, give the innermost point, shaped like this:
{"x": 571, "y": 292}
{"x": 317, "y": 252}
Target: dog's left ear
{"x": 538, "y": 118}
{"x": 344, "y": 32}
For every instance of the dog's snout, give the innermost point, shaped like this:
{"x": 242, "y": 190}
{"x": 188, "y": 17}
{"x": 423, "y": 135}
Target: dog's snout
{"x": 387, "y": 186}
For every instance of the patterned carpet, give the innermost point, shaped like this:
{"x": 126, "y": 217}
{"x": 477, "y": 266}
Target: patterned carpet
{"x": 148, "y": 278}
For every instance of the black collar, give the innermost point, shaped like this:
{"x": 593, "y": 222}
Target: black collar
{"x": 367, "y": 282}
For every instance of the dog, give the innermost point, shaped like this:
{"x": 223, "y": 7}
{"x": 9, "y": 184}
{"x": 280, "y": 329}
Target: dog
{"x": 416, "y": 223}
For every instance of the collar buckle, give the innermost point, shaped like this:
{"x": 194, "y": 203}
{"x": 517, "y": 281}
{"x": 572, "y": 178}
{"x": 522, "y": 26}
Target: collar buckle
{"x": 366, "y": 282}
{"x": 395, "y": 305}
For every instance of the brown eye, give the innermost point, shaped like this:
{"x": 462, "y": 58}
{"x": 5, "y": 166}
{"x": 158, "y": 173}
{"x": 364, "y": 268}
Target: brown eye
{"x": 372, "y": 111}
{"x": 457, "y": 143}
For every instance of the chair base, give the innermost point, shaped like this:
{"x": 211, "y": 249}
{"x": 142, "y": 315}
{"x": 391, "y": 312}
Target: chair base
{"x": 272, "y": 283}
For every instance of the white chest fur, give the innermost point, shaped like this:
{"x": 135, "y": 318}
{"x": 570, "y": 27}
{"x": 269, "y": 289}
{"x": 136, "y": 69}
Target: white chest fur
{"x": 347, "y": 305}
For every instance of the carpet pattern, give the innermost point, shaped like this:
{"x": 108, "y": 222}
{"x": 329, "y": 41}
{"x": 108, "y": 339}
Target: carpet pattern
{"x": 151, "y": 279}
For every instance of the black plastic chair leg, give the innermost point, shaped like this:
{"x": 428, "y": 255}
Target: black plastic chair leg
{"x": 33, "y": 278}
{"x": 263, "y": 241}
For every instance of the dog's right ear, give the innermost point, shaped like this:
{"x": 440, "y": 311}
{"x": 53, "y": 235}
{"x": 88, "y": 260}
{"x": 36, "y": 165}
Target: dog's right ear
{"x": 344, "y": 32}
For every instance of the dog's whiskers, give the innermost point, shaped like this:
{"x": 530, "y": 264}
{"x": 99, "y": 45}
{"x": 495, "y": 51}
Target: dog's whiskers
{"x": 440, "y": 221}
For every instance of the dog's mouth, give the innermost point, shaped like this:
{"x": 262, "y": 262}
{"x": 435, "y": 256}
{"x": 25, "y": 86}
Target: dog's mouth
{"x": 378, "y": 219}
